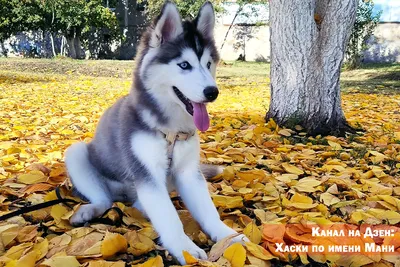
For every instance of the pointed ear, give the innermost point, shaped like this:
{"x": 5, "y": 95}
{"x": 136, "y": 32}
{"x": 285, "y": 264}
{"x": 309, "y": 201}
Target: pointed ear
{"x": 206, "y": 20}
{"x": 168, "y": 25}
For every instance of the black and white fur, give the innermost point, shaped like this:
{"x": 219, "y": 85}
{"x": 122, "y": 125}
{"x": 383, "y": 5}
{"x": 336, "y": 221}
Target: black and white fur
{"x": 127, "y": 159}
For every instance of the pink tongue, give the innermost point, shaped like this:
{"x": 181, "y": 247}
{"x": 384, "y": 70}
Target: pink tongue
{"x": 200, "y": 116}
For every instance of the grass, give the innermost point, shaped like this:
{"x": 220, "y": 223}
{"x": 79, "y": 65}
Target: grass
{"x": 94, "y": 68}
{"x": 373, "y": 78}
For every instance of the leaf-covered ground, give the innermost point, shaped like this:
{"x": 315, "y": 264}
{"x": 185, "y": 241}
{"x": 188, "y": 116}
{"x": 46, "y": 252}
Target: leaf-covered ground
{"x": 277, "y": 186}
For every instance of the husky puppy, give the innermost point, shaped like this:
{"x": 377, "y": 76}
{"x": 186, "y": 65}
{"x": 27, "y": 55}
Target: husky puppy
{"x": 128, "y": 159}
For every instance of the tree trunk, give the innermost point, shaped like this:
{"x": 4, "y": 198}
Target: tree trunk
{"x": 74, "y": 43}
{"x": 308, "y": 42}
{"x": 244, "y": 48}
{"x": 62, "y": 49}
{"x": 230, "y": 26}
{"x": 71, "y": 46}
{"x": 3, "y": 48}
{"x": 78, "y": 47}
{"x": 53, "y": 49}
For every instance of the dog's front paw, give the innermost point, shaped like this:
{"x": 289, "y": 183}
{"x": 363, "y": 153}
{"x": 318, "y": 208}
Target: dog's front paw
{"x": 240, "y": 239}
{"x": 185, "y": 244}
{"x": 222, "y": 231}
{"x": 86, "y": 213}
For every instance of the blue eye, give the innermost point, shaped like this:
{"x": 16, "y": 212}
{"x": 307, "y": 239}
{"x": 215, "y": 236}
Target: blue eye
{"x": 185, "y": 65}
{"x": 208, "y": 65}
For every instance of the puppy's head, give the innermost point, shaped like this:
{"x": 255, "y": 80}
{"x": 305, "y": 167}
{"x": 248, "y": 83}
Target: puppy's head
{"x": 180, "y": 58}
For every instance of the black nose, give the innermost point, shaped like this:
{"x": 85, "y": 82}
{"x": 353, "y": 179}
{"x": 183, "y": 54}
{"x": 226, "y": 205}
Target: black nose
{"x": 211, "y": 93}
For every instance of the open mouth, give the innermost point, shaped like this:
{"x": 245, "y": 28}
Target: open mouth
{"x": 185, "y": 100}
{"x": 197, "y": 110}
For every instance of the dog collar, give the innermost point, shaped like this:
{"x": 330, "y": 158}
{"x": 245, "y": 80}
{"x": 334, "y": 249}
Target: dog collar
{"x": 171, "y": 138}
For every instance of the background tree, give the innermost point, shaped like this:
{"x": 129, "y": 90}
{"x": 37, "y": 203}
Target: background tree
{"x": 243, "y": 33}
{"x": 7, "y": 28}
{"x": 17, "y": 16}
{"x": 364, "y": 26}
{"x": 187, "y": 8}
{"x": 251, "y": 12}
{"x": 74, "y": 19}
{"x": 308, "y": 42}
{"x": 49, "y": 22}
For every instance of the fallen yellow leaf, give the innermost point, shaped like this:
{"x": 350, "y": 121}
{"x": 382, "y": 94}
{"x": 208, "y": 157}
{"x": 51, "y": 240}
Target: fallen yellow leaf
{"x": 112, "y": 244}
{"x": 259, "y": 251}
{"x": 292, "y": 169}
{"x": 102, "y": 263}
{"x": 189, "y": 258}
{"x": 227, "y": 201}
{"x": 253, "y": 233}
{"x": 33, "y": 177}
{"x": 61, "y": 261}
{"x": 236, "y": 255}
{"x": 153, "y": 262}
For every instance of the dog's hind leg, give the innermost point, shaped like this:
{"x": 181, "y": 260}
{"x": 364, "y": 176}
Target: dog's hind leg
{"x": 87, "y": 181}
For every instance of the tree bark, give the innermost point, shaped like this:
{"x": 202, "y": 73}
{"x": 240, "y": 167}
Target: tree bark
{"x": 71, "y": 46}
{"x": 308, "y": 43}
{"x": 62, "y": 49}
{"x": 53, "y": 49}
{"x": 78, "y": 47}
{"x": 74, "y": 43}
{"x": 3, "y": 48}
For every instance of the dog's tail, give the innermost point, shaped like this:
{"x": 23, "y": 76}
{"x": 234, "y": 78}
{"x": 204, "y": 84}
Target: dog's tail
{"x": 209, "y": 171}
